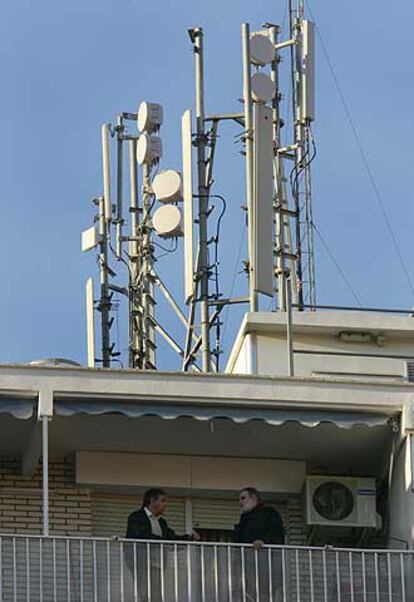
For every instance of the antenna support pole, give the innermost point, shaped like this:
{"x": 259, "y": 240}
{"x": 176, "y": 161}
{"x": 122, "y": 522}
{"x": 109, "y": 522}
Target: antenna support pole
{"x": 302, "y": 188}
{"x": 196, "y": 36}
{"x": 248, "y": 120}
{"x": 146, "y": 276}
{"x": 285, "y": 258}
{"x": 135, "y": 326}
{"x": 279, "y": 200}
{"x": 105, "y": 299}
{"x": 289, "y": 327}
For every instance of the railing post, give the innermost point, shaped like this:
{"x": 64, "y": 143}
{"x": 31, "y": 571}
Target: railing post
{"x": 402, "y": 569}
{"x": 216, "y": 580}
{"x": 27, "y": 571}
{"x": 121, "y": 569}
{"x": 45, "y": 473}
{"x": 135, "y": 573}
{"x": 189, "y": 574}
{"x": 175, "y": 573}
{"x": 284, "y": 575}
{"x": 243, "y": 573}
{"x": 14, "y": 571}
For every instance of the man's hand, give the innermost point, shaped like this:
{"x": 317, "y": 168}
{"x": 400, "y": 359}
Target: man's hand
{"x": 258, "y": 544}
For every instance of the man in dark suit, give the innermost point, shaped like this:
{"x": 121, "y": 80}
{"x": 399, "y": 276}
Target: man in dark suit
{"x": 148, "y": 524}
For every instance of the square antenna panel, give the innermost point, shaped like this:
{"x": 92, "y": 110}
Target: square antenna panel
{"x": 188, "y": 205}
{"x": 263, "y": 199}
{"x": 89, "y": 239}
{"x": 308, "y": 71}
{"x": 90, "y": 323}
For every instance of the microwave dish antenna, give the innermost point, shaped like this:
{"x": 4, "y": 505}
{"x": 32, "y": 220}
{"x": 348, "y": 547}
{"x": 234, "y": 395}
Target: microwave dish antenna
{"x": 167, "y": 186}
{"x": 150, "y": 117}
{"x": 262, "y": 51}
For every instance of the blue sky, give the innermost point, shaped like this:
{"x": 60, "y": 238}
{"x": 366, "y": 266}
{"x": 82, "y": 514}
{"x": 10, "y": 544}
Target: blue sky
{"x": 68, "y": 67}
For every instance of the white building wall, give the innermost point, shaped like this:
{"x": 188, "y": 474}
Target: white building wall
{"x": 179, "y": 473}
{"x": 401, "y": 506}
{"x": 325, "y": 344}
{"x": 272, "y": 357}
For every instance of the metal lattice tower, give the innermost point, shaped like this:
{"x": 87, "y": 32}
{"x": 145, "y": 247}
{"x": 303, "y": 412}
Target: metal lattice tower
{"x": 301, "y": 174}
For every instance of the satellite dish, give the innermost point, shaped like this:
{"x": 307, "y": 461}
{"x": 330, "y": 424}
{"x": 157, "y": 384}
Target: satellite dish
{"x": 263, "y": 89}
{"x": 150, "y": 117}
{"x": 167, "y": 186}
{"x": 262, "y": 51}
{"x": 149, "y": 149}
{"x": 167, "y": 221}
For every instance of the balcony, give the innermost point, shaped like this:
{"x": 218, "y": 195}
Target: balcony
{"x": 62, "y": 569}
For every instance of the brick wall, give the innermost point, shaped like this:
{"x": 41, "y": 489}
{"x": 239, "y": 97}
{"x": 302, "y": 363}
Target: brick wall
{"x": 294, "y": 521}
{"x": 72, "y": 507}
{"x": 21, "y": 500}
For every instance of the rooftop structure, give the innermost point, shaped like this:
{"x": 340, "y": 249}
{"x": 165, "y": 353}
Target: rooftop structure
{"x": 315, "y": 407}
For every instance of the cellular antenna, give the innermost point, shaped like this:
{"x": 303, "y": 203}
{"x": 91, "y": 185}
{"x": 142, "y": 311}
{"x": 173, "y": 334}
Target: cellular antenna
{"x": 169, "y": 204}
{"x": 203, "y": 268}
{"x": 303, "y": 106}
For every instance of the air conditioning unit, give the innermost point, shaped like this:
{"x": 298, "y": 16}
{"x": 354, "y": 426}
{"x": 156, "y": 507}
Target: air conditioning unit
{"x": 409, "y": 371}
{"x": 340, "y": 501}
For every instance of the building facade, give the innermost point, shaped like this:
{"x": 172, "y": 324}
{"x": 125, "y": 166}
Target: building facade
{"x": 80, "y": 446}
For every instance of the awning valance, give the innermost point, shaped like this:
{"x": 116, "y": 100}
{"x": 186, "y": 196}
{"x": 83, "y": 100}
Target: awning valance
{"x": 18, "y": 408}
{"x": 308, "y": 418}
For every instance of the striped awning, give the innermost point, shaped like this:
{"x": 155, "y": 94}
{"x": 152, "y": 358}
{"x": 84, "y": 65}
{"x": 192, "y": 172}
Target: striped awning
{"x": 278, "y": 417}
{"x": 18, "y": 408}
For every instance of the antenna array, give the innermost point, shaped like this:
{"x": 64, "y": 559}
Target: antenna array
{"x": 280, "y": 262}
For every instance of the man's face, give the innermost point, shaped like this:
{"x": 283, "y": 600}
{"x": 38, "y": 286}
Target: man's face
{"x": 158, "y": 505}
{"x": 247, "y": 502}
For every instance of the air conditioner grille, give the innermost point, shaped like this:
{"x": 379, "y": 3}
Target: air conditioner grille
{"x": 410, "y": 371}
{"x": 333, "y": 500}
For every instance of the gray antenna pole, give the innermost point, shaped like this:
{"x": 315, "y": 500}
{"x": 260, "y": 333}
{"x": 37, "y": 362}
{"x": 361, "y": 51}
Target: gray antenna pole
{"x": 200, "y": 143}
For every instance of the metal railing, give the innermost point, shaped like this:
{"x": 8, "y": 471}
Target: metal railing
{"x": 59, "y": 569}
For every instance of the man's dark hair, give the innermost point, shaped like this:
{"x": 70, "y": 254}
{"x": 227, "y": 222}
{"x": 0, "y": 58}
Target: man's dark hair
{"x": 252, "y": 491}
{"x": 152, "y": 494}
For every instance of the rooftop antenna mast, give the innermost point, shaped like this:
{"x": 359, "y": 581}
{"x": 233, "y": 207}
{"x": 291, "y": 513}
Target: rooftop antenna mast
{"x": 196, "y": 36}
{"x": 303, "y": 104}
{"x": 104, "y": 216}
{"x": 146, "y": 151}
{"x": 286, "y": 284}
{"x": 280, "y": 257}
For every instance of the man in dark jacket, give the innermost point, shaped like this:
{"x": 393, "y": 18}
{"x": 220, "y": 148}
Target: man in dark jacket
{"x": 259, "y": 524}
